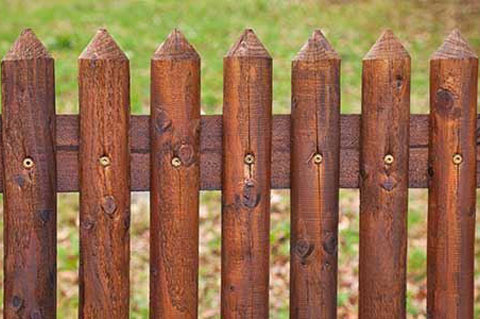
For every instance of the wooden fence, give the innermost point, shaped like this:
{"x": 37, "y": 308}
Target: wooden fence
{"x": 105, "y": 153}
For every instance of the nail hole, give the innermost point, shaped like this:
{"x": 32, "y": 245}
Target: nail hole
{"x": 457, "y": 159}
{"x": 388, "y": 159}
{"x": 249, "y": 159}
{"x": 105, "y": 161}
{"x": 28, "y": 162}
{"x": 176, "y": 162}
{"x": 317, "y": 158}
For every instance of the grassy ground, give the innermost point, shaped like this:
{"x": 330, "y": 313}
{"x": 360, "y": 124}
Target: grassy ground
{"x": 212, "y": 26}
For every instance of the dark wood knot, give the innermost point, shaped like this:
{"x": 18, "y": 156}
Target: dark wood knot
{"x": 250, "y": 195}
{"x": 17, "y": 303}
{"x": 186, "y": 153}
{"x": 389, "y": 184}
{"x": 109, "y": 205}
{"x": 445, "y": 101}
{"x": 163, "y": 122}
{"x": 88, "y": 224}
{"x": 44, "y": 215}
{"x": 330, "y": 244}
{"x": 303, "y": 248}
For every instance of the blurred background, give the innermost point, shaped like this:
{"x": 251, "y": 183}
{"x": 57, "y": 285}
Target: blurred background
{"x": 212, "y": 26}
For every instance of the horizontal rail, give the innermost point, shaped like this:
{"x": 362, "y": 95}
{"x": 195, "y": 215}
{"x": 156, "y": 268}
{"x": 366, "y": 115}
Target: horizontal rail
{"x": 211, "y": 152}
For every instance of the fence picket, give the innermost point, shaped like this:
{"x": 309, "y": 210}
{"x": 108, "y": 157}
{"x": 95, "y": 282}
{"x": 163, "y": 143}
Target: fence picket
{"x": 104, "y": 179}
{"x": 384, "y": 140}
{"x": 175, "y": 179}
{"x": 28, "y": 94}
{"x": 247, "y": 135}
{"x": 314, "y": 175}
{"x": 452, "y": 163}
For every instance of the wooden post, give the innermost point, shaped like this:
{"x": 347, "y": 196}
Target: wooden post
{"x": 175, "y": 179}
{"x": 104, "y": 179}
{"x": 452, "y": 167}
{"x": 29, "y": 179}
{"x": 314, "y": 175}
{"x": 384, "y": 152}
{"x": 247, "y": 135}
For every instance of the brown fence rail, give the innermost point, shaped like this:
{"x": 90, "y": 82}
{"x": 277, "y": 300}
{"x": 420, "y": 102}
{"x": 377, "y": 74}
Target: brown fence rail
{"x": 105, "y": 153}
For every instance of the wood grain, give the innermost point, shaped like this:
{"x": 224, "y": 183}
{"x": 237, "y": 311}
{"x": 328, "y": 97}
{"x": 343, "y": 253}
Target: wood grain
{"x": 28, "y": 133}
{"x": 247, "y": 135}
{"x": 451, "y": 206}
{"x": 104, "y": 180}
{"x": 384, "y": 179}
{"x": 315, "y": 154}
{"x": 175, "y": 179}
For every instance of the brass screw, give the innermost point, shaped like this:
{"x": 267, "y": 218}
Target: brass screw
{"x": 28, "y": 162}
{"x": 249, "y": 159}
{"x": 176, "y": 162}
{"x": 388, "y": 159}
{"x": 317, "y": 158}
{"x": 457, "y": 159}
{"x": 105, "y": 161}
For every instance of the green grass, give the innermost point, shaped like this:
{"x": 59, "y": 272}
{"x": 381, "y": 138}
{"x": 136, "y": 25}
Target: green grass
{"x": 212, "y": 26}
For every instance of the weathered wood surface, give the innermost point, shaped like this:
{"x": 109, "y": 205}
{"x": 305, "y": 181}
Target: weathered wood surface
{"x": 247, "y": 118}
{"x": 314, "y": 175}
{"x": 211, "y": 152}
{"x": 104, "y": 180}
{"x": 384, "y": 179}
{"x": 451, "y": 213}
{"x": 175, "y": 180}
{"x": 28, "y": 99}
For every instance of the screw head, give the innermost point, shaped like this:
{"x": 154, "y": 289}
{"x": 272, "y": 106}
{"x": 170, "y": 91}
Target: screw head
{"x": 28, "y": 162}
{"x": 457, "y": 159}
{"x": 317, "y": 158}
{"x": 176, "y": 161}
{"x": 249, "y": 159}
{"x": 105, "y": 161}
{"x": 388, "y": 159}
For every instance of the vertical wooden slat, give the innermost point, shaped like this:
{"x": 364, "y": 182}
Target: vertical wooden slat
{"x": 29, "y": 179}
{"x": 384, "y": 152}
{"x": 247, "y": 135}
{"x": 175, "y": 179}
{"x": 104, "y": 179}
{"x": 452, "y": 167}
{"x": 314, "y": 180}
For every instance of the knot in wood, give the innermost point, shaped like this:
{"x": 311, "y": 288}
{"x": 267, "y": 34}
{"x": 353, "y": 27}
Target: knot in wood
{"x": 186, "y": 154}
{"x": 303, "y": 248}
{"x": 250, "y": 196}
{"x": 389, "y": 184}
{"x": 44, "y": 215}
{"x": 109, "y": 205}
{"x": 330, "y": 244}
{"x": 163, "y": 122}
{"x": 88, "y": 224}
{"x": 445, "y": 101}
{"x": 17, "y": 303}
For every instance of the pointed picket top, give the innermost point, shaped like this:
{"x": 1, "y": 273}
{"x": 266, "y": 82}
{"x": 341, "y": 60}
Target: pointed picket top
{"x": 454, "y": 47}
{"x": 248, "y": 45}
{"x": 27, "y": 46}
{"x": 317, "y": 47}
{"x": 176, "y": 46}
{"x": 387, "y": 46}
{"x": 103, "y": 47}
